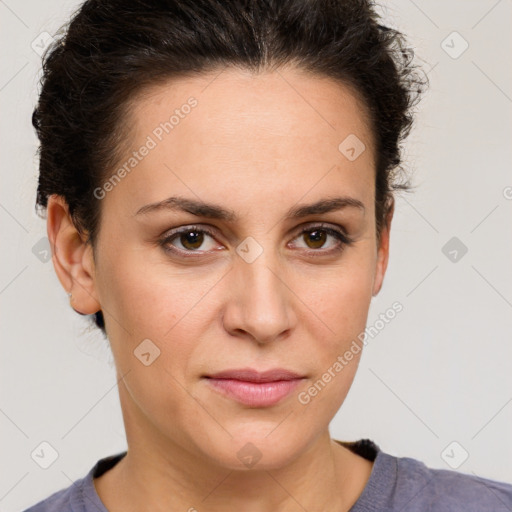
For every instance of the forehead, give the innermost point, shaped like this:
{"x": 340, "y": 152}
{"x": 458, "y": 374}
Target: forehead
{"x": 234, "y": 131}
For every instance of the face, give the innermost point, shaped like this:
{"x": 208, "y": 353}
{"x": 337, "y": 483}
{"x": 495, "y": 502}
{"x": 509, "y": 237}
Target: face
{"x": 255, "y": 279}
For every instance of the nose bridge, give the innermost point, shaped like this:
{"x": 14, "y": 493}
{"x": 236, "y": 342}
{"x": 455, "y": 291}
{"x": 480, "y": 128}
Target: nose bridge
{"x": 262, "y": 299}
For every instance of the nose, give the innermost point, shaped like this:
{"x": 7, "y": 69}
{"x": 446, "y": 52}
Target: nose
{"x": 260, "y": 305}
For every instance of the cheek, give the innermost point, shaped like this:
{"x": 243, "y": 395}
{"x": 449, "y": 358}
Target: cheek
{"x": 157, "y": 395}
{"x": 141, "y": 296}
{"x": 341, "y": 297}
{"x": 145, "y": 303}
{"x": 342, "y": 307}
{"x": 151, "y": 301}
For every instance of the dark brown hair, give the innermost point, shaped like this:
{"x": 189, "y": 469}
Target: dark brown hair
{"x": 112, "y": 49}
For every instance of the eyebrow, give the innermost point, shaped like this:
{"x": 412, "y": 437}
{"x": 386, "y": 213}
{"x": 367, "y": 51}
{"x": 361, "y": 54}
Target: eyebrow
{"x": 213, "y": 211}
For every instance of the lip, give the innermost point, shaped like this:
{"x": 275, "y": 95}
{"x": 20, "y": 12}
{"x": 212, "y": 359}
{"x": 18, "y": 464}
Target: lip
{"x": 254, "y": 388}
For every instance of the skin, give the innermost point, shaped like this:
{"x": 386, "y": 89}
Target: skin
{"x": 258, "y": 145}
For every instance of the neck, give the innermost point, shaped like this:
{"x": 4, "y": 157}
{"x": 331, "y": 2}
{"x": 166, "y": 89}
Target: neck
{"x": 159, "y": 474}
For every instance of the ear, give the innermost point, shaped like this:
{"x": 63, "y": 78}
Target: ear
{"x": 383, "y": 249}
{"x": 72, "y": 257}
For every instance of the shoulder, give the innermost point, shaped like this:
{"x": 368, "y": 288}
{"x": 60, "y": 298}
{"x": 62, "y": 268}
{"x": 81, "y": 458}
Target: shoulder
{"x": 81, "y": 495}
{"x": 426, "y": 488}
{"x": 69, "y": 499}
{"x": 408, "y": 484}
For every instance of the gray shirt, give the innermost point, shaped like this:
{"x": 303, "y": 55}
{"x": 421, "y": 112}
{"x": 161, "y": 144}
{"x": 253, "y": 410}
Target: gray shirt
{"x": 395, "y": 484}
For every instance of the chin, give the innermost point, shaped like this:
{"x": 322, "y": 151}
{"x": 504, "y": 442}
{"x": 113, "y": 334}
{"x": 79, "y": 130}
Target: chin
{"x": 257, "y": 448}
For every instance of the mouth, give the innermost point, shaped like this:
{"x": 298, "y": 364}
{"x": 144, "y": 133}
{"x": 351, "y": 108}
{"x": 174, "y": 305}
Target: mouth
{"x": 253, "y": 388}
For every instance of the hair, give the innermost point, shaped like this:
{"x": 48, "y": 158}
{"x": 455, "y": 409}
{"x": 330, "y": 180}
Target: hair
{"x": 112, "y": 50}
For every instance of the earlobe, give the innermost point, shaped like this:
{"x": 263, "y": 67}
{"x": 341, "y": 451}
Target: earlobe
{"x": 72, "y": 257}
{"x": 383, "y": 250}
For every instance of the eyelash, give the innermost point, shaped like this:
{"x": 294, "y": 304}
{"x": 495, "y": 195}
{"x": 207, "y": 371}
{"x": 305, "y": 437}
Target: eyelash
{"x": 342, "y": 238}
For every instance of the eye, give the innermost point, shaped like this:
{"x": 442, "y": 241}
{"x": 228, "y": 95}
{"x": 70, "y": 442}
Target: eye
{"x": 188, "y": 239}
{"x": 316, "y": 237}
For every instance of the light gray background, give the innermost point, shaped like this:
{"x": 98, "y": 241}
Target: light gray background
{"x": 439, "y": 372}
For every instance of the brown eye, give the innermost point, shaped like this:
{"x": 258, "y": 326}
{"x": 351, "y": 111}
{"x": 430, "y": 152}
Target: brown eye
{"x": 322, "y": 240}
{"x": 315, "y": 239}
{"x": 192, "y": 239}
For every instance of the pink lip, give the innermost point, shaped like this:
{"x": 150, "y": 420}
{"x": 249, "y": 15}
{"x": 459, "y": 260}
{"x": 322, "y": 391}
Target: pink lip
{"x": 253, "y": 388}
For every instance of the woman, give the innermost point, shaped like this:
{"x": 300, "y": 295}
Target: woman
{"x": 218, "y": 179}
